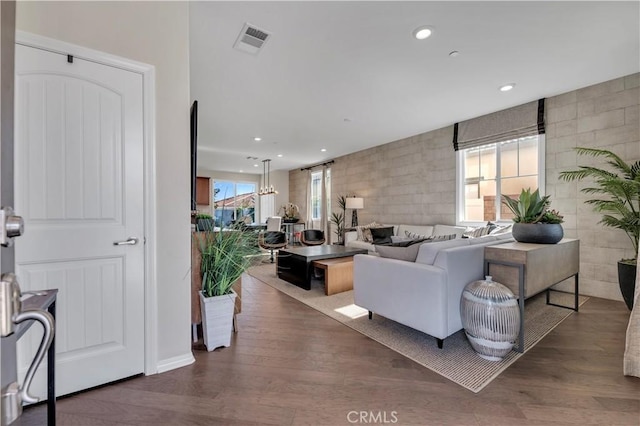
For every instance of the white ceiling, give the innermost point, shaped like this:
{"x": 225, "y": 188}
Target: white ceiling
{"x": 327, "y": 62}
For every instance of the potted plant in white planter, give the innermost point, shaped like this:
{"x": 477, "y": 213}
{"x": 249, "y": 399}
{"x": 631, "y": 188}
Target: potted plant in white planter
{"x": 226, "y": 255}
{"x": 620, "y": 207}
{"x": 534, "y": 221}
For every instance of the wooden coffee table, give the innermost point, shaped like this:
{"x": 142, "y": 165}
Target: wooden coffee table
{"x": 338, "y": 274}
{"x": 295, "y": 265}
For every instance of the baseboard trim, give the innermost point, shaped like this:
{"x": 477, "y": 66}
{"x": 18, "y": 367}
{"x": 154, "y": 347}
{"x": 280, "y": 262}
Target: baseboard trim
{"x": 175, "y": 362}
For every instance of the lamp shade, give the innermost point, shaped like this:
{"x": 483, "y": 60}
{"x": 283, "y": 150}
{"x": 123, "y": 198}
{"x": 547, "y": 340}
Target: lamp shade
{"x": 355, "y": 203}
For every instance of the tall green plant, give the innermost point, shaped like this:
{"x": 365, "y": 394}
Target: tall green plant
{"x": 621, "y": 188}
{"x": 337, "y": 218}
{"x": 226, "y": 255}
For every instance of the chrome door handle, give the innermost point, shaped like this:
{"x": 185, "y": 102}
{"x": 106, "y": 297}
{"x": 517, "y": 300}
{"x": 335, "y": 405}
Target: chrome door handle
{"x": 131, "y": 241}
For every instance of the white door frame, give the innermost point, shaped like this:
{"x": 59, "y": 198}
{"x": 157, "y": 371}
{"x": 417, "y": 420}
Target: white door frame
{"x": 148, "y": 73}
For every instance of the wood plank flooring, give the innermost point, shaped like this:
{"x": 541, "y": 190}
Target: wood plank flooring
{"x": 291, "y": 365}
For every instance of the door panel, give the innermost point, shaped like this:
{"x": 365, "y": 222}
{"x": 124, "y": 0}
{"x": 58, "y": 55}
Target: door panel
{"x": 79, "y": 165}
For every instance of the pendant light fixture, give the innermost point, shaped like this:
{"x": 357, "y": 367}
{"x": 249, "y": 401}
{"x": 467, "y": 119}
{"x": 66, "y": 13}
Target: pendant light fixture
{"x": 267, "y": 188}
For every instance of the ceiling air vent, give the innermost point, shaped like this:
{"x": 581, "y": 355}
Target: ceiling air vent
{"x": 251, "y": 39}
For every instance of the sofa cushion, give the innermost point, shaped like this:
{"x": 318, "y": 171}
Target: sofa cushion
{"x": 480, "y": 231}
{"x": 435, "y": 238}
{"x": 428, "y": 252}
{"x": 407, "y": 251}
{"x": 382, "y": 235}
{"x": 448, "y": 229}
{"x": 414, "y": 236}
{"x": 426, "y": 230}
{"x": 482, "y": 240}
{"x": 501, "y": 229}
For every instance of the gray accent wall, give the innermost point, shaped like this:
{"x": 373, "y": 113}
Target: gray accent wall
{"x": 412, "y": 180}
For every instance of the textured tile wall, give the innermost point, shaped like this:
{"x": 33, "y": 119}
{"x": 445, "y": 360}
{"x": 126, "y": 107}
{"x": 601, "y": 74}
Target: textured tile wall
{"x": 412, "y": 180}
{"x": 607, "y": 116}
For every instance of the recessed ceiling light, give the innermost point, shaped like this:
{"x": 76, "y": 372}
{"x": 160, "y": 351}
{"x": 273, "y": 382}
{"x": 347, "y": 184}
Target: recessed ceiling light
{"x": 323, "y": 150}
{"x": 280, "y": 155}
{"x": 422, "y": 32}
{"x": 240, "y": 171}
{"x": 255, "y": 165}
{"x": 507, "y": 87}
{"x": 257, "y": 139}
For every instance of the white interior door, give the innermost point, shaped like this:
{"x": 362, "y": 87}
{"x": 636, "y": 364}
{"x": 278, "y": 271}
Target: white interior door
{"x": 79, "y": 187}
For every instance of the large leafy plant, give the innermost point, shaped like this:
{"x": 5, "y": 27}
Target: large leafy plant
{"x": 226, "y": 255}
{"x": 620, "y": 188}
{"x": 531, "y": 207}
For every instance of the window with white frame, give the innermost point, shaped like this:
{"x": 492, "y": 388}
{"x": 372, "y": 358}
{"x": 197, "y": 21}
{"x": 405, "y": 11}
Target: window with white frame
{"x": 316, "y": 193}
{"x": 233, "y": 201}
{"x": 485, "y": 172}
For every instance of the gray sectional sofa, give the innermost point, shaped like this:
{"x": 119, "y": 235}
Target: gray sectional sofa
{"x": 424, "y": 294}
{"x": 351, "y": 237}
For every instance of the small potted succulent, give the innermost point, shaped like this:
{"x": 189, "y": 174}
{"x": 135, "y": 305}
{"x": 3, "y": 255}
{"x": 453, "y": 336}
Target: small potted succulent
{"x": 534, "y": 221}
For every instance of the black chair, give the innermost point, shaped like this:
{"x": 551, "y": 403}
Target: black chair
{"x": 312, "y": 237}
{"x": 272, "y": 240}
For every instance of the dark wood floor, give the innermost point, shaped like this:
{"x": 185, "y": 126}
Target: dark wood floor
{"x": 291, "y": 365}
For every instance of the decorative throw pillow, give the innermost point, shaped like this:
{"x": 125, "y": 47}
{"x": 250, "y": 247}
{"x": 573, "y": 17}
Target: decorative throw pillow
{"x": 480, "y": 231}
{"x": 395, "y": 251}
{"x": 499, "y": 230}
{"x": 442, "y": 238}
{"x": 382, "y": 234}
{"x": 415, "y": 236}
{"x": 363, "y": 232}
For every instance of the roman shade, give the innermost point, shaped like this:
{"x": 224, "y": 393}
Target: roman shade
{"x": 517, "y": 122}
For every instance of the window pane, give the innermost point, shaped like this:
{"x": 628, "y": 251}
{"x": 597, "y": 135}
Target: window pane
{"x": 471, "y": 164}
{"x": 222, "y": 190}
{"x": 315, "y": 195}
{"x": 223, "y": 202}
{"x": 245, "y": 202}
{"x": 509, "y": 159}
{"x": 488, "y": 162}
{"x": 528, "y": 148}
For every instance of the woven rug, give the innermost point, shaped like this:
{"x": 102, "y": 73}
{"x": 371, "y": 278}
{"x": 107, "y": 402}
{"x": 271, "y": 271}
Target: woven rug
{"x": 457, "y": 361}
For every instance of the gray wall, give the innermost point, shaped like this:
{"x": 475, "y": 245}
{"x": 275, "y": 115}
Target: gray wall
{"x": 412, "y": 180}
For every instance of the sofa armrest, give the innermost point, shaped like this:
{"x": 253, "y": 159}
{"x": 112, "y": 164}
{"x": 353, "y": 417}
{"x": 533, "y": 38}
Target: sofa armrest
{"x": 411, "y": 293}
{"x": 463, "y": 265}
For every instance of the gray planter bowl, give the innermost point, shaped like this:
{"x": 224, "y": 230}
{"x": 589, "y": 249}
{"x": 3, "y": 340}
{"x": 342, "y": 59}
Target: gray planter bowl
{"x": 538, "y": 233}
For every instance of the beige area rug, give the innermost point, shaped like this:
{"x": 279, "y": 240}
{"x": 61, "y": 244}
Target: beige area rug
{"x": 456, "y": 361}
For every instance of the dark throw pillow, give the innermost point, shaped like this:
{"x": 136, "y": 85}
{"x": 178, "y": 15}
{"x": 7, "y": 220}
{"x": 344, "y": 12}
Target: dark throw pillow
{"x": 382, "y": 235}
{"x": 406, "y": 250}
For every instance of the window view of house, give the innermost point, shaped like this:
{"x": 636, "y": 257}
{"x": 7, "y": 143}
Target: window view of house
{"x": 494, "y": 169}
{"x": 234, "y": 201}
